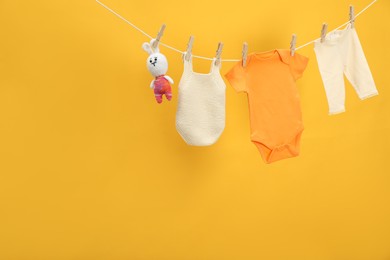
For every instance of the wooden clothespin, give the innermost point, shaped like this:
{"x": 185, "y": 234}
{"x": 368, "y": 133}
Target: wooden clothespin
{"x": 324, "y": 31}
{"x": 159, "y": 35}
{"x": 244, "y": 54}
{"x": 293, "y": 44}
{"x": 188, "y": 53}
{"x": 352, "y": 16}
{"x": 218, "y": 55}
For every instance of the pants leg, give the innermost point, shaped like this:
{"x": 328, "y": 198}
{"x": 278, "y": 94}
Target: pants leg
{"x": 331, "y": 68}
{"x": 356, "y": 67}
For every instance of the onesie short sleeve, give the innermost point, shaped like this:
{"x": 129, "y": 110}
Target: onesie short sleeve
{"x": 236, "y": 77}
{"x": 298, "y": 65}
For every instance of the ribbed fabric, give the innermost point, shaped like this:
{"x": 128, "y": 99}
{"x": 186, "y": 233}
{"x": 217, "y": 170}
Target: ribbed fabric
{"x": 200, "y": 116}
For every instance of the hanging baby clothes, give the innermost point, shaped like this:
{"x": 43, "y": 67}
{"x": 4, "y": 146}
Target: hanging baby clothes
{"x": 200, "y": 116}
{"x": 274, "y": 103}
{"x": 341, "y": 53}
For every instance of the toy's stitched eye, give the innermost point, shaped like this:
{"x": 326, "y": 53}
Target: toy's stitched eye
{"x": 150, "y": 61}
{"x": 155, "y": 59}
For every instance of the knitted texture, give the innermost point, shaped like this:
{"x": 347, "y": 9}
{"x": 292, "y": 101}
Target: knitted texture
{"x": 200, "y": 116}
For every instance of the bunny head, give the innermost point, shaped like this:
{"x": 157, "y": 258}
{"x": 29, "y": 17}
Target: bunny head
{"x": 156, "y": 63}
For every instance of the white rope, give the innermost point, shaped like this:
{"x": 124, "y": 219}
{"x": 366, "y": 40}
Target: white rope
{"x": 222, "y": 60}
{"x": 121, "y": 17}
{"x": 344, "y": 24}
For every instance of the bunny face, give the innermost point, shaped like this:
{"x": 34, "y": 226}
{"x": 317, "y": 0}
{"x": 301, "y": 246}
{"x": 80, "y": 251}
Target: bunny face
{"x": 156, "y": 63}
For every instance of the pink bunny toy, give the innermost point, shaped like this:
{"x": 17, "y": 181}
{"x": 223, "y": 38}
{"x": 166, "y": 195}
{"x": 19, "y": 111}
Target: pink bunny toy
{"x": 157, "y": 65}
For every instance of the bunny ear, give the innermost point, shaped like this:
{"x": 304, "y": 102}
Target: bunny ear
{"x": 155, "y": 50}
{"x": 146, "y": 46}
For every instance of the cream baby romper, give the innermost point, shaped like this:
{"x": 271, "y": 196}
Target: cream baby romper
{"x": 200, "y": 116}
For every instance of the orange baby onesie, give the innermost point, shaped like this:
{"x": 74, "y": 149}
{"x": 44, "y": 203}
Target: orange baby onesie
{"x": 274, "y": 103}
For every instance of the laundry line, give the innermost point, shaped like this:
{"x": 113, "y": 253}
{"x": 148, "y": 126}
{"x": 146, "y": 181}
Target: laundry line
{"x": 222, "y": 60}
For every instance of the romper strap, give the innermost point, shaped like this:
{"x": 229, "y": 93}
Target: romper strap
{"x": 214, "y": 68}
{"x": 187, "y": 65}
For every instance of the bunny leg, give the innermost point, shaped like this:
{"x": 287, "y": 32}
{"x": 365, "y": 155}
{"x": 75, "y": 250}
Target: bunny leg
{"x": 168, "y": 95}
{"x": 158, "y": 94}
{"x": 158, "y": 98}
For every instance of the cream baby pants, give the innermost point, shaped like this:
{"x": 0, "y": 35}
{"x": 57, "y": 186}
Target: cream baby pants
{"x": 341, "y": 53}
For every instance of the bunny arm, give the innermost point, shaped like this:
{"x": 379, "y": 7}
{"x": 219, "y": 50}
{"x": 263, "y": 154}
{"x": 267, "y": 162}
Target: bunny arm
{"x": 168, "y": 78}
{"x": 152, "y": 84}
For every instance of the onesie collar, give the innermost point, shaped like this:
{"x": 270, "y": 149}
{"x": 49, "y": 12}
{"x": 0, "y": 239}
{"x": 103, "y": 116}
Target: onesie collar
{"x": 284, "y": 55}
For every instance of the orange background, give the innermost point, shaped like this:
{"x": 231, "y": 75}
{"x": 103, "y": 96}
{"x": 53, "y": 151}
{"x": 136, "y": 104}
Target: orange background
{"x": 92, "y": 168}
